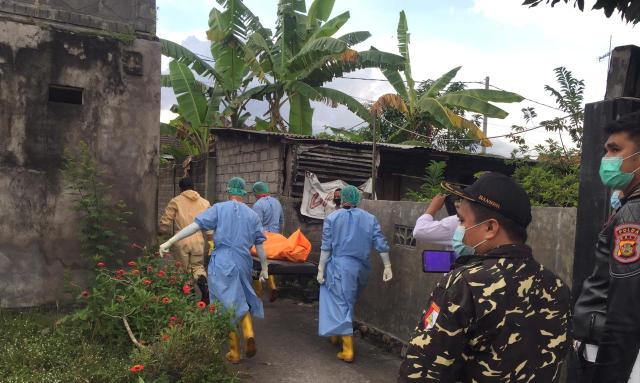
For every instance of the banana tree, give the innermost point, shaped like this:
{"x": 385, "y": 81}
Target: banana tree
{"x": 213, "y": 99}
{"x": 436, "y": 105}
{"x": 302, "y": 56}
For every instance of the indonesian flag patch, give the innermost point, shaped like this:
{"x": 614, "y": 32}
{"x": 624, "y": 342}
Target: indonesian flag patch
{"x": 626, "y": 246}
{"x": 431, "y": 316}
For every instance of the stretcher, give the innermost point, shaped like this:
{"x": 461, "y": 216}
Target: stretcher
{"x": 279, "y": 267}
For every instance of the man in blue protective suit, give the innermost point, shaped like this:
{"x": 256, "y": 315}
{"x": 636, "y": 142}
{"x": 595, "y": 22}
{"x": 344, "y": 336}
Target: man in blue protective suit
{"x": 271, "y": 215}
{"x": 348, "y": 235}
{"x": 236, "y": 229}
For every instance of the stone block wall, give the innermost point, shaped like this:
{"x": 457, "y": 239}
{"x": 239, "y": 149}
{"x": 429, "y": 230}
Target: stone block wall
{"x": 252, "y": 160}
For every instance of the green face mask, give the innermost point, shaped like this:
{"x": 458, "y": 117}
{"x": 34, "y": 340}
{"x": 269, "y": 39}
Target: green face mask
{"x": 611, "y": 175}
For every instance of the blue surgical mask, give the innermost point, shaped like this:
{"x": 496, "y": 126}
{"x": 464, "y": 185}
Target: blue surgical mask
{"x": 457, "y": 241}
{"x": 611, "y": 175}
{"x": 615, "y": 200}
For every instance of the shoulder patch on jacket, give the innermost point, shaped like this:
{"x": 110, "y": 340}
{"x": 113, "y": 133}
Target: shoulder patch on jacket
{"x": 431, "y": 317}
{"x": 626, "y": 243}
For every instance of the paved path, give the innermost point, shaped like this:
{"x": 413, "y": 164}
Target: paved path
{"x": 290, "y": 351}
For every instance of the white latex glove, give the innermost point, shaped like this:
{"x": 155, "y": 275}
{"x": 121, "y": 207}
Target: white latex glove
{"x": 264, "y": 264}
{"x": 324, "y": 258}
{"x": 387, "y": 274}
{"x": 184, "y": 233}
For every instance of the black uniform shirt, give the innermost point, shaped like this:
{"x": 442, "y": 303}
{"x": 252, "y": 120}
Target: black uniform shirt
{"x": 500, "y": 317}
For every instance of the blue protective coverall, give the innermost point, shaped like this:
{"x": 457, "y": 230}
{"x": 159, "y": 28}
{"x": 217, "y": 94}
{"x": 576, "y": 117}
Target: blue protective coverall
{"x": 236, "y": 229}
{"x": 349, "y": 234}
{"x": 270, "y": 212}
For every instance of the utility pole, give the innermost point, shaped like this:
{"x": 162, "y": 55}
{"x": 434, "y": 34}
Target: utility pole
{"x": 484, "y": 120}
{"x": 374, "y": 120}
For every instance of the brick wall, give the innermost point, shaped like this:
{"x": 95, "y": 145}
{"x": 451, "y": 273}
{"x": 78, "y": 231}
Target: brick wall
{"x": 250, "y": 159}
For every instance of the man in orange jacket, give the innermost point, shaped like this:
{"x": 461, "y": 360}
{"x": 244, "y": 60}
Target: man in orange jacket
{"x": 190, "y": 251}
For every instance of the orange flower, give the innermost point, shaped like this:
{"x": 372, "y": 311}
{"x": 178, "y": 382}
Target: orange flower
{"x": 85, "y": 294}
{"x": 101, "y": 264}
{"x": 166, "y": 300}
{"x": 212, "y": 308}
{"x": 137, "y": 368}
{"x": 132, "y": 264}
{"x": 147, "y": 282}
{"x": 186, "y": 289}
{"x": 161, "y": 273}
{"x": 135, "y": 271}
{"x": 120, "y": 272}
{"x": 201, "y": 305}
{"x": 165, "y": 337}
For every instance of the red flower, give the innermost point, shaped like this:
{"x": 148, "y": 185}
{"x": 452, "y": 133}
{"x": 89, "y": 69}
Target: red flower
{"x": 165, "y": 337}
{"x": 178, "y": 264}
{"x": 166, "y": 300}
{"x": 120, "y": 272}
{"x": 101, "y": 264}
{"x": 212, "y": 308}
{"x": 135, "y": 271}
{"x": 173, "y": 319}
{"x": 85, "y": 294}
{"x": 132, "y": 264}
{"x": 147, "y": 282}
{"x": 186, "y": 289}
{"x": 201, "y": 305}
{"x": 161, "y": 274}
{"x": 137, "y": 368}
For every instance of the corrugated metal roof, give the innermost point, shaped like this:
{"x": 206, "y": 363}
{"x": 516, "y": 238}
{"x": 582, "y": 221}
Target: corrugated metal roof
{"x": 299, "y": 137}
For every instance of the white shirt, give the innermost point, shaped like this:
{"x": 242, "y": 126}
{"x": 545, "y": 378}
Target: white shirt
{"x": 436, "y": 232}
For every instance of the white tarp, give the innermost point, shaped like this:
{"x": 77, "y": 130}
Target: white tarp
{"x": 317, "y": 197}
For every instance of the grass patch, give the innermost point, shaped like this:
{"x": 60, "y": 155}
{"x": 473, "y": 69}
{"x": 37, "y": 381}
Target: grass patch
{"x": 34, "y": 351}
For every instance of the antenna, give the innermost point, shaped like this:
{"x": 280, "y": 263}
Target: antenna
{"x": 608, "y": 54}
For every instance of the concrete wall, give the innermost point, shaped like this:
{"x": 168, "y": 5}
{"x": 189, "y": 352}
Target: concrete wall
{"x": 118, "y": 118}
{"x": 395, "y": 307}
{"x": 253, "y": 160}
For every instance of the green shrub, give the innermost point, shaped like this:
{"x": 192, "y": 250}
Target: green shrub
{"x": 434, "y": 175}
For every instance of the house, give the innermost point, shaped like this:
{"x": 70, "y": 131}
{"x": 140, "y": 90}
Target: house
{"x": 281, "y": 160}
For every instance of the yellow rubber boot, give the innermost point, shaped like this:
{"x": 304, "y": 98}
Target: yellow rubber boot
{"x": 257, "y": 287}
{"x": 249, "y": 339}
{"x": 334, "y": 340}
{"x": 233, "y": 355}
{"x": 273, "y": 288}
{"x": 347, "y": 349}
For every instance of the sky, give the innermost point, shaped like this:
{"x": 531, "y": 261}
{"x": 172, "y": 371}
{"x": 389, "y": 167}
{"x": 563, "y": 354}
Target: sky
{"x": 516, "y": 46}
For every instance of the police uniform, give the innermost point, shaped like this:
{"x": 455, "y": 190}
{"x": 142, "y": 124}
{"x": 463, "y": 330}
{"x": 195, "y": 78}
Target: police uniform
{"x": 497, "y": 317}
{"x": 607, "y": 313}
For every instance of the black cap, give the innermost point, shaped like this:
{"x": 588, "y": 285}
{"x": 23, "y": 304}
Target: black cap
{"x": 499, "y": 193}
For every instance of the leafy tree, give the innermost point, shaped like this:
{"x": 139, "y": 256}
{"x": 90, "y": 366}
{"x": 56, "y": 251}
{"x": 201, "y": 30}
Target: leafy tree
{"x": 304, "y": 55}
{"x": 627, "y": 9}
{"x": 435, "y": 109}
{"x": 553, "y": 180}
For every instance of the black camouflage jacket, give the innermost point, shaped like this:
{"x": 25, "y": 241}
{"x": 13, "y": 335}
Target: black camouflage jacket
{"x": 499, "y": 317}
{"x": 608, "y": 309}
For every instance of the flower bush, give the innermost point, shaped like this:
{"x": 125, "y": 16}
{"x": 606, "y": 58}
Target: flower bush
{"x": 151, "y": 303}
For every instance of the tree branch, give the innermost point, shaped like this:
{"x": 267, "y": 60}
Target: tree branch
{"x": 131, "y": 336}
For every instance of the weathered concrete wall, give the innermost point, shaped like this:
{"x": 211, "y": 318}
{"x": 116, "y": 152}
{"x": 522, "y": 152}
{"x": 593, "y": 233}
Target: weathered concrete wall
{"x": 395, "y": 307}
{"x": 118, "y": 118}
{"x": 253, "y": 160}
{"x": 118, "y": 16}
